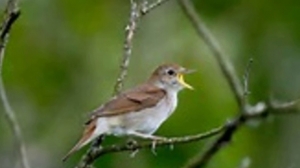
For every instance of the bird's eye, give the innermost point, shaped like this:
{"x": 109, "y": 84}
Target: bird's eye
{"x": 171, "y": 72}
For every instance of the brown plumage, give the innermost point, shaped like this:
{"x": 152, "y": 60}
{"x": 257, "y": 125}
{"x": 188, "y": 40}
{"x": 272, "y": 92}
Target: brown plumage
{"x": 143, "y": 96}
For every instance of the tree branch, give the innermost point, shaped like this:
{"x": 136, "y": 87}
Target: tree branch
{"x": 246, "y": 84}
{"x": 136, "y": 13}
{"x": 261, "y": 110}
{"x": 225, "y": 66}
{"x": 127, "y": 48}
{"x": 146, "y": 8}
{"x": 247, "y": 112}
{"x": 147, "y": 145}
{"x": 11, "y": 14}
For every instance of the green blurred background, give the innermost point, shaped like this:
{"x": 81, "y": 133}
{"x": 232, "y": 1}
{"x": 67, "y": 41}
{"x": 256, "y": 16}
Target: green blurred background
{"x": 63, "y": 58}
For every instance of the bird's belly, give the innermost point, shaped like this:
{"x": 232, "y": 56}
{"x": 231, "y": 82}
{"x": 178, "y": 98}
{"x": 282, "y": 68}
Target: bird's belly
{"x": 148, "y": 120}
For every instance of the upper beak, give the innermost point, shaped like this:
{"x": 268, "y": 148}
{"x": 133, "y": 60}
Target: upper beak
{"x": 181, "y": 80}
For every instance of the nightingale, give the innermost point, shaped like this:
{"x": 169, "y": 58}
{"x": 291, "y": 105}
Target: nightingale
{"x": 137, "y": 112}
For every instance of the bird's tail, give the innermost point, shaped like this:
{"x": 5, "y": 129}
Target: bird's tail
{"x": 88, "y": 135}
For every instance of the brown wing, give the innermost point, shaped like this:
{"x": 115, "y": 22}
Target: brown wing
{"x": 134, "y": 100}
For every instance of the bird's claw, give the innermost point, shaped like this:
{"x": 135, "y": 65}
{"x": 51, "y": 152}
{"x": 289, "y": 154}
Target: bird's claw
{"x": 153, "y": 146}
{"x": 134, "y": 152}
{"x": 154, "y": 142}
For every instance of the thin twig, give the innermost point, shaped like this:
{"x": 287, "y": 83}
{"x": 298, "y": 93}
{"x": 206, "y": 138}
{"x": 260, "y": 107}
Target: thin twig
{"x": 261, "y": 110}
{"x": 246, "y": 77}
{"x": 136, "y": 13}
{"x": 146, "y": 8}
{"x": 147, "y": 145}
{"x": 246, "y": 84}
{"x": 128, "y": 43}
{"x": 226, "y": 66}
{"x": 12, "y": 13}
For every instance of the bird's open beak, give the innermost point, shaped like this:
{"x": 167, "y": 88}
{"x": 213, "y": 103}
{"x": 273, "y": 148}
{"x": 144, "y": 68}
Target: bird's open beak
{"x": 181, "y": 80}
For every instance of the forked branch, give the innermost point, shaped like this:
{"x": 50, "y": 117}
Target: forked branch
{"x": 260, "y": 111}
{"x": 136, "y": 13}
{"x": 246, "y": 111}
{"x": 225, "y": 65}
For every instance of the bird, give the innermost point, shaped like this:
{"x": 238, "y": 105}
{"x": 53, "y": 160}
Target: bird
{"x": 137, "y": 112}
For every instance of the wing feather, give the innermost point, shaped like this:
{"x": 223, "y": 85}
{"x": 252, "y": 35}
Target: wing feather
{"x": 134, "y": 100}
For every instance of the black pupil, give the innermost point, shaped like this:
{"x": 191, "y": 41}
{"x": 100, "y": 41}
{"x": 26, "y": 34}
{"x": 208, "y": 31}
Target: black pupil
{"x": 171, "y": 72}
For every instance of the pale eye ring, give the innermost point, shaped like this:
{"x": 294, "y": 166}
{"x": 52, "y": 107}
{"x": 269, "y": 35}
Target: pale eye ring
{"x": 171, "y": 72}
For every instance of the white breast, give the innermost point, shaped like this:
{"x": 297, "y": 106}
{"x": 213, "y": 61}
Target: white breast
{"x": 146, "y": 121}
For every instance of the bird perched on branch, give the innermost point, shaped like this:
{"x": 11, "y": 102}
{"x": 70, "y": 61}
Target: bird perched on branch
{"x": 140, "y": 111}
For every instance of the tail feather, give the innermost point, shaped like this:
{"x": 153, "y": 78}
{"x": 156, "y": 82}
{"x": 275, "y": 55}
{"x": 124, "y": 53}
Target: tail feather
{"x": 87, "y": 137}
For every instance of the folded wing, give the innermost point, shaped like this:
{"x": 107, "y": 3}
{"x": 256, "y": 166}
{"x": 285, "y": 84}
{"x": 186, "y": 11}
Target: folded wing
{"x": 144, "y": 96}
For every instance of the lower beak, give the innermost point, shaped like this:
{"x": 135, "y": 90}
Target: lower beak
{"x": 183, "y": 83}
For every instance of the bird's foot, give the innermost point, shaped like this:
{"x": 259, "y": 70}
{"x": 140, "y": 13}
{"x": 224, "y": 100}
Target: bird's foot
{"x": 153, "y": 147}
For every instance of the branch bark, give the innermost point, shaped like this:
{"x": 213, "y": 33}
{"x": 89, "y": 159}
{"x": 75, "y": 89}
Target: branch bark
{"x": 147, "y": 145}
{"x": 130, "y": 30}
{"x": 247, "y": 112}
{"x": 136, "y": 13}
{"x": 261, "y": 110}
{"x": 226, "y": 67}
{"x": 11, "y": 14}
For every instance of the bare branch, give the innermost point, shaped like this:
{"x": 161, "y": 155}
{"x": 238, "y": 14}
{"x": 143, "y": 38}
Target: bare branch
{"x": 148, "y": 7}
{"x": 247, "y": 111}
{"x": 246, "y": 77}
{"x": 261, "y": 110}
{"x": 246, "y": 84}
{"x": 130, "y": 32}
{"x": 226, "y": 66}
{"x": 89, "y": 159}
{"x": 136, "y": 13}
{"x": 11, "y": 14}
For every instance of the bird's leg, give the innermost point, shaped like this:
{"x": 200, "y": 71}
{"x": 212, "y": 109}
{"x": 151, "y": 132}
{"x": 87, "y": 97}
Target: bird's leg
{"x": 133, "y": 153}
{"x": 153, "y": 147}
{"x": 153, "y": 138}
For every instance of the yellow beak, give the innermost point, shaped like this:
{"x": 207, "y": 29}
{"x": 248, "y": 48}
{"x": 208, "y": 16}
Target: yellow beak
{"x": 182, "y": 82}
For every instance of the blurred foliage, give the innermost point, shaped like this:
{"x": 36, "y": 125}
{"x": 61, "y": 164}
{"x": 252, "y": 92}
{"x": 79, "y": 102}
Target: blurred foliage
{"x": 63, "y": 58}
